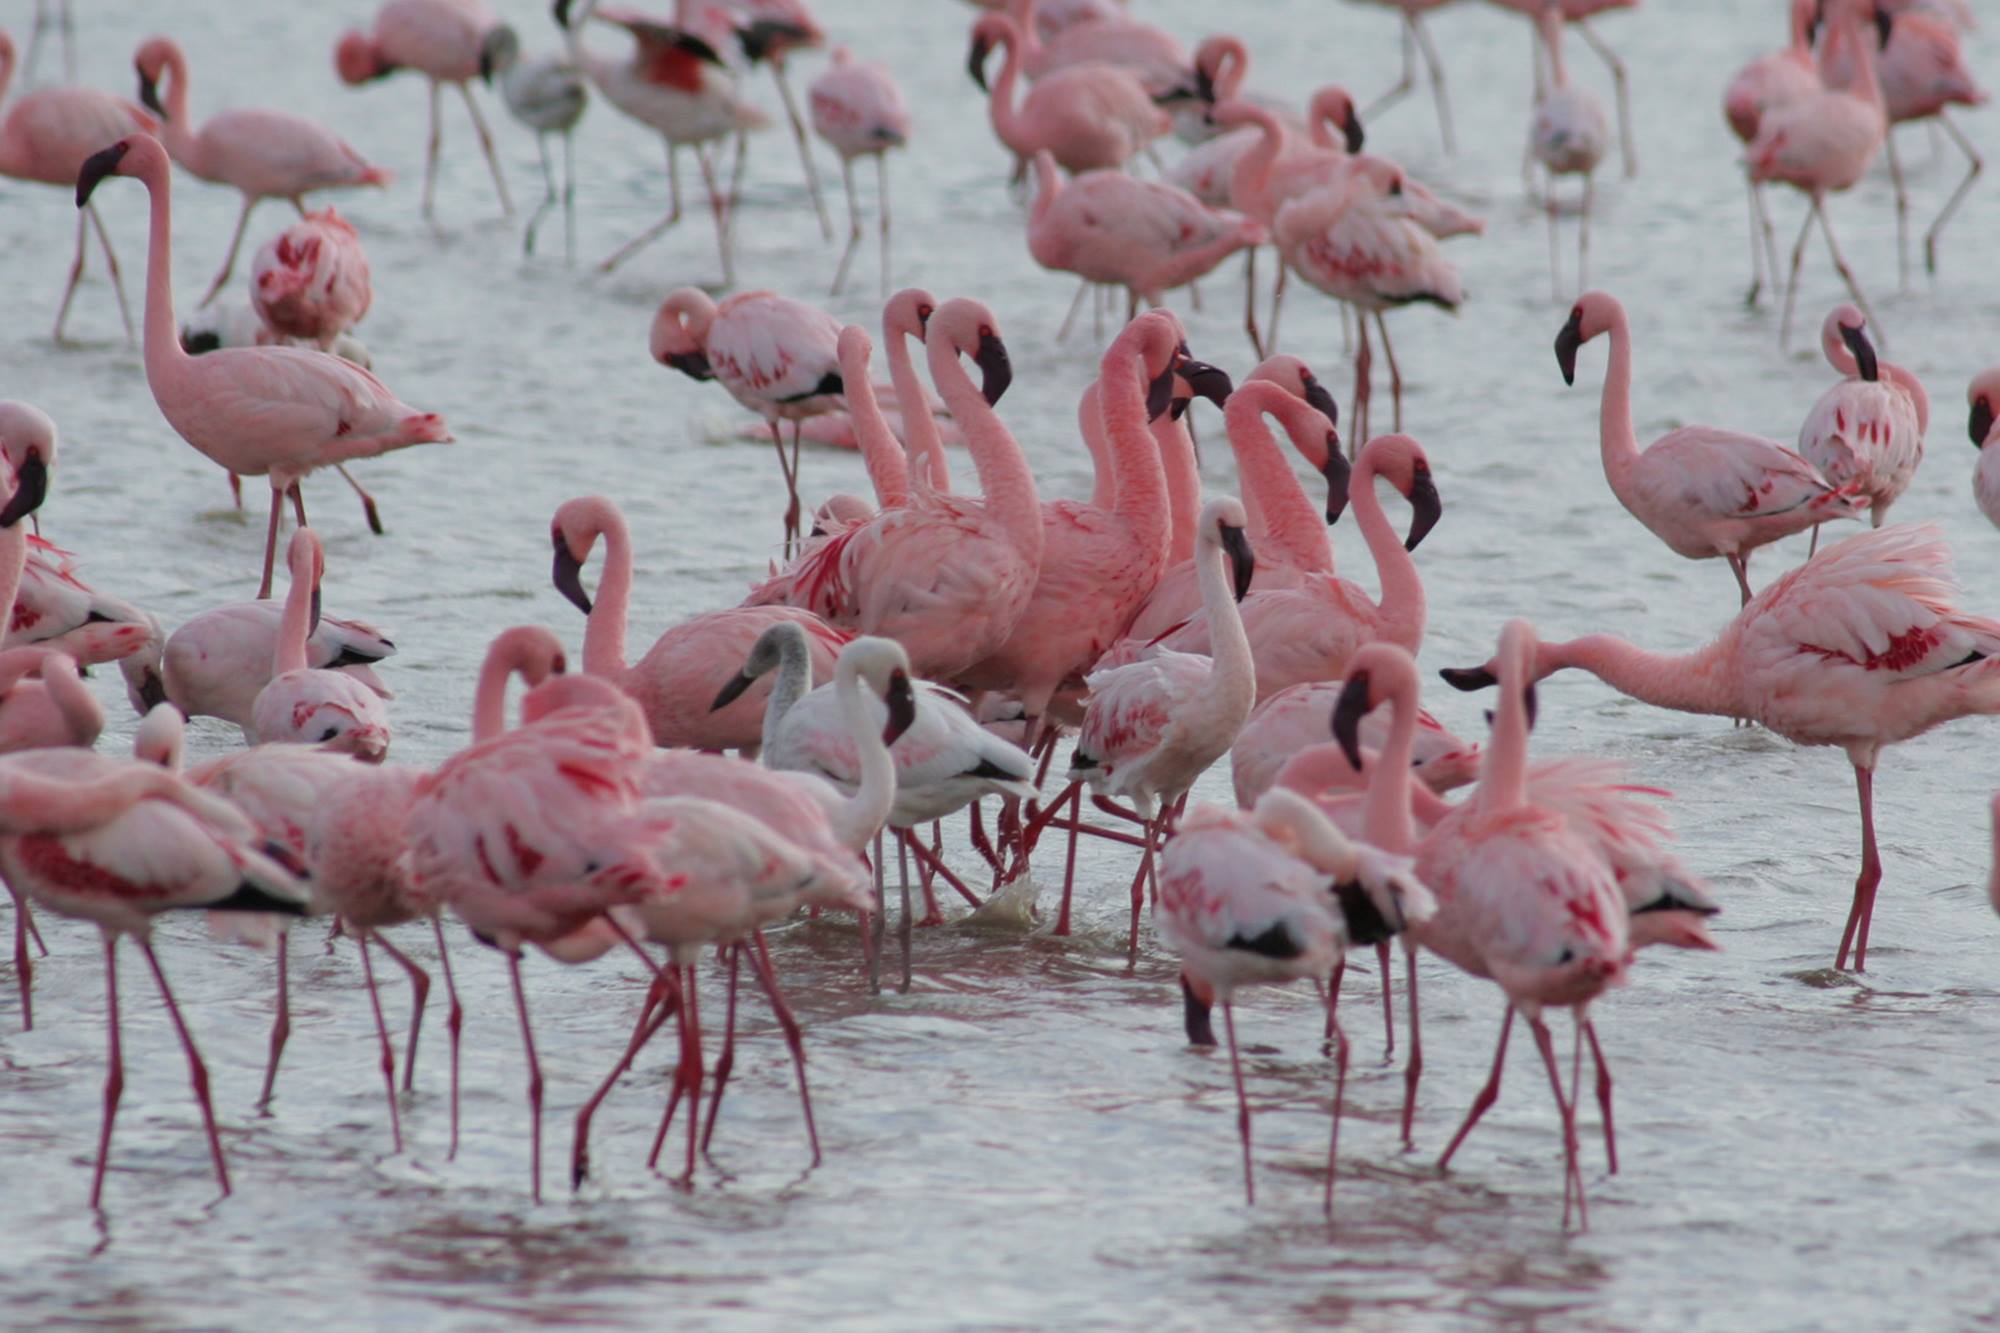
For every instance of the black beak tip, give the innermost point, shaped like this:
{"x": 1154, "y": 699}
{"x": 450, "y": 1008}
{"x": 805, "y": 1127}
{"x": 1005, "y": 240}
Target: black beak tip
{"x": 1426, "y": 509}
{"x": 1242, "y": 561}
{"x": 1468, "y": 678}
{"x": 1322, "y": 402}
{"x": 567, "y": 575}
{"x": 1348, "y": 711}
{"x": 1567, "y": 342}
{"x": 31, "y": 487}
{"x": 1864, "y": 352}
{"x": 152, "y": 691}
{"x": 902, "y": 703}
{"x": 313, "y": 627}
{"x": 731, "y": 692}
{"x": 1160, "y": 394}
{"x": 996, "y": 368}
{"x": 1339, "y": 475}
{"x": 1981, "y": 422}
{"x": 975, "y": 63}
{"x": 149, "y": 97}
{"x": 96, "y": 167}
{"x": 1352, "y": 132}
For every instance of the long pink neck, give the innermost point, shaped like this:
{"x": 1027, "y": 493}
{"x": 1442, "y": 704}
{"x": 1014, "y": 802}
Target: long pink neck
{"x": 1006, "y": 118}
{"x": 604, "y": 628}
{"x": 881, "y": 452}
{"x": 1617, "y": 440}
{"x": 1183, "y": 478}
{"x": 1403, "y": 608}
{"x": 82, "y": 715}
{"x": 296, "y": 624}
{"x": 1141, "y": 497}
{"x": 1845, "y": 42}
{"x": 165, "y": 359}
{"x": 1249, "y": 181}
{"x": 924, "y": 446}
{"x": 1914, "y": 387}
{"x": 7, "y": 59}
{"x": 489, "y": 700}
{"x": 1023, "y": 14}
{"x": 1386, "y": 815}
{"x": 1004, "y": 477}
{"x": 1090, "y": 424}
{"x": 1291, "y": 524}
{"x": 1503, "y": 775}
{"x": 1696, "y": 682}
{"x": 177, "y": 130}
{"x": 13, "y": 559}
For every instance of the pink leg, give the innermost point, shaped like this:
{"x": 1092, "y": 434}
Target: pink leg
{"x": 725, "y": 1062}
{"x": 1603, "y": 1095}
{"x": 1139, "y": 893}
{"x": 1383, "y": 960}
{"x": 382, "y": 1036}
{"x": 662, "y": 1002}
{"x": 767, "y": 977}
{"x": 1363, "y": 368}
{"x": 1414, "y": 1070}
{"x": 420, "y": 994}
{"x": 1572, "y": 1175}
{"x": 691, "y": 1006}
{"x": 114, "y": 1074}
{"x": 1871, "y": 875}
{"x": 368, "y": 509}
{"x": 791, "y": 490}
{"x": 281, "y": 1024}
{"x": 1487, "y": 1095}
{"x": 937, "y": 866}
{"x": 235, "y": 488}
{"x": 197, "y": 1071}
{"x": 1339, "y": 1099}
{"x": 1069, "y": 862}
{"x": 904, "y": 840}
{"x": 1242, "y": 1102}
{"x": 454, "y": 1024}
{"x": 679, "y": 1084}
{"x": 933, "y": 911}
{"x": 1740, "y": 567}
{"x": 1333, "y": 998}
{"x": 271, "y": 541}
{"x": 534, "y": 1076}
{"x": 24, "y": 968}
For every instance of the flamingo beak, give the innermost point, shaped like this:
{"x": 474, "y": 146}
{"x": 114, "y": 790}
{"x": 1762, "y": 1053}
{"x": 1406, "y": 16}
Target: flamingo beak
{"x": 1318, "y": 399}
{"x": 1242, "y": 563}
{"x": 1195, "y": 1011}
{"x": 152, "y": 690}
{"x": 1981, "y": 423}
{"x": 902, "y": 701}
{"x": 568, "y": 576}
{"x": 1425, "y": 507}
{"x": 733, "y": 691}
{"x": 149, "y": 95}
{"x": 996, "y": 369}
{"x": 1210, "y": 382}
{"x": 1338, "y": 473}
{"x": 560, "y": 11}
{"x": 693, "y": 364}
{"x": 1348, "y": 711}
{"x": 1864, "y": 352}
{"x": 1530, "y": 703}
{"x": 31, "y": 487}
{"x": 1567, "y": 342}
{"x": 104, "y": 162}
{"x": 1351, "y": 131}
{"x": 312, "y": 626}
{"x": 975, "y": 62}
{"x": 1469, "y": 678}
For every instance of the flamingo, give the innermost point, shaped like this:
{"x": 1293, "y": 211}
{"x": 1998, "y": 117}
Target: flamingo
{"x": 1866, "y": 432}
{"x": 674, "y": 682}
{"x": 1416, "y": 37}
{"x": 446, "y": 41}
{"x": 776, "y": 29}
{"x": 61, "y": 15}
{"x": 257, "y": 411}
{"x": 858, "y": 109}
{"x": 1580, "y": 12}
{"x": 1144, "y": 236}
{"x": 1984, "y": 394}
{"x": 548, "y": 94}
{"x": 1090, "y": 115}
{"x": 1862, "y": 646}
{"x": 674, "y": 84}
{"x": 1152, "y": 53}
{"x": 1296, "y": 717}
{"x": 1704, "y": 492}
{"x": 216, "y": 663}
{"x": 1823, "y": 144}
{"x": 44, "y": 702}
{"x": 137, "y": 859}
{"x": 1569, "y": 136}
{"x": 1773, "y": 81}
{"x": 311, "y": 281}
{"x": 305, "y": 704}
{"x": 776, "y": 356}
{"x": 261, "y": 154}
{"x": 948, "y": 579}
{"x": 1151, "y": 727}
{"x": 45, "y": 138}
{"x": 1247, "y": 901}
{"x": 907, "y": 315}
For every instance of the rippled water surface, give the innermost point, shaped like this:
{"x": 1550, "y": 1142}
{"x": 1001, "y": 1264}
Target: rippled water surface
{"x": 1025, "y": 1139}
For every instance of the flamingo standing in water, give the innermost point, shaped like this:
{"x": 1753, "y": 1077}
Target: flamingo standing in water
{"x": 778, "y": 357}
{"x": 309, "y": 705}
{"x": 1296, "y": 717}
{"x": 1770, "y": 82}
{"x": 216, "y": 662}
{"x": 1569, "y": 136}
{"x": 446, "y": 41}
{"x": 857, "y": 107}
{"x": 674, "y": 682}
{"x": 548, "y": 94}
{"x": 1866, "y": 432}
{"x": 1087, "y": 116}
{"x": 1859, "y": 647}
{"x": 258, "y": 411}
{"x": 312, "y": 280}
{"x": 1416, "y": 38}
{"x": 45, "y": 138}
{"x": 1704, "y": 492}
{"x": 1580, "y": 12}
{"x": 262, "y": 154}
{"x": 1984, "y": 395}
{"x": 1152, "y": 53}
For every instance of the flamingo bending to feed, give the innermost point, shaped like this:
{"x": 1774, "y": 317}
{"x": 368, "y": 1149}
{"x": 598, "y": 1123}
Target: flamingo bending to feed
{"x": 1862, "y": 646}
{"x": 1704, "y": 492}
{"x": 1984, "y": 395}
{"x": 447, "y": 41}
{"x": 309, "y": 705}
{"x": 45, "y": 138}
{"x": 44, "y": 702}
{"x": 1773, "y": 81}
{"x": 135, "y": 860}
{"x": 1295, "y": 718}
{"x": 674, "y": 682}
{"x": 1087, "y": 116}
{"x": 261, "y": 154}
{"x": 1416, "y": 38}
{"x": 1269, "y": 898}
{"x": 312, "y": 281}
{"x": 548, "y": 94}
{"x": 1150, "y": 728}
{"x": 1866, "y": 433}
{"x": 215, "y": 664}
{"x": 258, "y": 411}
{"x": 857, "y": 108}
{"x": 778, "y": 357}
{"x": 1569, "y": 136}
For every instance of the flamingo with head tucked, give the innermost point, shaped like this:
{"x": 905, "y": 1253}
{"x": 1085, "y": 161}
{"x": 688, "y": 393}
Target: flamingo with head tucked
{"x": 1867, "y": 431}
{"x": 1984, "y": 395}
{"x": 1087, "y": 116}
{"x": 309, "y": 705}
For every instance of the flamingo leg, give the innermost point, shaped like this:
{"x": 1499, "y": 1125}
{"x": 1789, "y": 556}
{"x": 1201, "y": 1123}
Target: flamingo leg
{"x": 111, "y": 262}
{"x": 197, "y": 1071}
{"x": 1414, "y": 1069}
{"x": 1395, "y": 375}
{"x": 805, "y": 149}
{"x": 721, "y": 206}
{"x": 933, "y": 913}
{"x": 1621, "y": 88}
{"x": 925, "y": 857}
{"x": 1250, "y": 301}
{"x": 1975, "y": 165}
{"x": 1242, "y": 1102}
{"x": 271, "y": 540}
{"x": 1139, "y": 882}
{"x": 549, "y": 195}
{"x": 534, "y": 1075}
{"x": 1339, "y": 1100}
{"x": 874, "y": 928}
{"x": 1075, "y": 307}
{"x": 235, "y": 488}
{"x": 1739, "y": 565}
{"x": 75, "y": 277}
{"x": 1792, "y": 279}
{"x": 431, "y": 154}
{"x": 382, "y": 1036}
{"x": 1332, "y": 998}
{"x": 1572, "y": 1174}
{"x": 1902, "y": 210}
{"x": 569, "y": 197}
{"x": 767, "y": 977}
{"x": 1388, "y": 1000}
{"x": 486, "y": 146}
{"x": 1871, "y": 875}
{"x": 1487, "y": 1095}
{"x": 691, "y": 1007}
{"x": 725, "y": 1062}
{"x": 1436, "y": 68}
{"x": 420, "y": 994}
{"x": 1756, "y": 250}
{"x": 653, "y": 233}
{"x": 904, "y": 841}
{"x": 281, "y": 1024}
{"x": 1277, "y": 304}
{"x": 24, "y": 968}
{"x": 1583, "y": 232}
{"x": 114, "y": 1073}
{"x": 229, "y": 259}
{"x": 882, "y": 213}
{"x": 662, "y": 1002}
{"x": 853, "y": 227}
{"x": 1405, "y": 85}
{"x": 368, "y": 509}
{"x": 1846, "y": 273}
{"x": 1603, "y": 1095}
{"x": 1555, "y": 249}
{"x": 1069, "y": 861}
{"x": 454, "y": 1024}
{"x": 791, "y": 489}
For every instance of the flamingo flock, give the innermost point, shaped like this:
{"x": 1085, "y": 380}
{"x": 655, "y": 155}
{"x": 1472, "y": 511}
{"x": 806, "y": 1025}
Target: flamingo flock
{"x": 966, "y": 647}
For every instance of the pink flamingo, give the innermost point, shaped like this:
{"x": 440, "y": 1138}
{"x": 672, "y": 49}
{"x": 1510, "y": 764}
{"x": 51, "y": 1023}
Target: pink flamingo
{"x": 976, "y": 559}
{"x": 1860, "y": 647}
{"x": 1579, "y": 13}
{"x": 1144, "y": 236}
{"x": 311, "y": 281}
{"x": 776, "y": 30}
{"x": 1308, "y": 632}
{"x": 139, "y": 859}
{"x": 1866, "y": 433}
{"x": 45, "y": 138}
{"x": 446, "y": 41}
{"x": 307, "y": 705}
{"x": 1704, "y": 492}
{"x": 1246, "y": 901}
{"x": 676, "y": 85}
{"x": 1823, "y": 144}
{"x": 907, "y": 315}
{"x": 1416, "y": 38}
{"x": 1151, "y": 727}
{"x": 1984, "y": 395}
{"x": 1568, "y": 137}
{"x": 258, "y": 411}
{"x": 216, "y": 663}
{"x": 1296, "y": 717}
{"x": 857, "y": 108}
{"x": 776, "y": 356}
{"x": 262, "y": 154}
{"x": 44, "y": 703}
{"x": 1773, "y": 81}
{"x": 1152, "y": 53}
{"x": 674, "y": 682}
{"x": 1091, "y": 115}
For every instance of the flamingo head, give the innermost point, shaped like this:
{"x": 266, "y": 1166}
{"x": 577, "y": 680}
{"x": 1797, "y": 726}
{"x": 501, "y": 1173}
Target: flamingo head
{"x": 150, "y": 59}
{"x": 1984, "y": 395}
{"x": 784, "y": 640}
{"x": 1847, "y": 327}
{"x": 499, "y": 49}
{"x": 680, "y": 329}
{"x": 1223, "y": 523}
{"x": 992, "y": 30}
{"x": 1335, "y": 106}
{"x": 358, "y": 60}
{"x": 1593, "y": 313}
{"x": 909, "y": 313}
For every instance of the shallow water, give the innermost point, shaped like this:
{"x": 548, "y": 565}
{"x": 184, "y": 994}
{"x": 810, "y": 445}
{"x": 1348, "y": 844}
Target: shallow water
{"x": 1025, "y": 1139}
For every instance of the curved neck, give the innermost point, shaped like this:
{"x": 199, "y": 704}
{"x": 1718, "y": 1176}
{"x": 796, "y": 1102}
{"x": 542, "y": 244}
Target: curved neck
{"x": 1846, "y": 42}
{"x": 881, "y": 452}
{"x": 1919, "y": 398}
{"x": 1048, "y": 184}
{"x": 1090, "y": 423}
{"x": 604, "y": 627}
{"x": 792, "y": 680}
{"x": 1004, "y": 478}
{"x": 489, "y": 700}
{"x": 296, "y": 624}
{"x": 1232, "y": 676}
{"x": 925, "y": 464}
{"x": 1000, "y": 105}
{"x": 1292, "y": 525}
{"x": 7, "y": 58}
{"x": 1183, "y": 478}
{"x": 855, "y": 820}
{"x": 176, "y": 128}
{"x": 1253, "y": 168}
{"x": 1023, "y": 14}
{"x": 1403, "y": 606}
{"x": 1550, "y": 22}
{"x": 1503, "y": 772}
{"x": 81, "y": 712}
{"x": 13, "y": 560}
{"x": 163, "y": 353}
{"x": 1694, "y": 682}
{"x": 1140, "y": 495}
{"x": 1617, "y": 441}
{"x": 1387, "y": 810}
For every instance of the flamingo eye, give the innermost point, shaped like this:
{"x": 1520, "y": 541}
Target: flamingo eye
{"x": 986, "y": 330}
{"x": 329, "y": 734}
